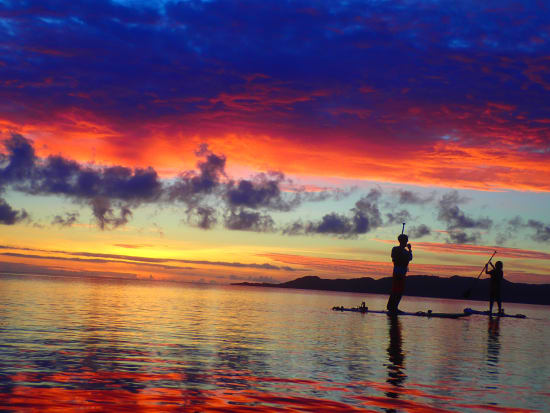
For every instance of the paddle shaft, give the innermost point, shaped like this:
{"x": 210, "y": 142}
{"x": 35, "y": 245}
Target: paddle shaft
{"x": 467, "y": 293}
{"x": 403, "y": 230}
{"x": 486, "y": 265}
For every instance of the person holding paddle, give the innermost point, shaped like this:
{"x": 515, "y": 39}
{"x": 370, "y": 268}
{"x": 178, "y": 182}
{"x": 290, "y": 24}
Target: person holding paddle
{"x": 496, "y": 277}
{"x": 401, "y": 258}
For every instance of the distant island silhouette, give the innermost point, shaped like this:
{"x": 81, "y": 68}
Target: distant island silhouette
{"x": 422, "y": 286}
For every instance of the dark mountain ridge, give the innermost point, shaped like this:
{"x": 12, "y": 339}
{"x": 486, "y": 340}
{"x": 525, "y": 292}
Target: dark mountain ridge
{"x": 423, "y": 286}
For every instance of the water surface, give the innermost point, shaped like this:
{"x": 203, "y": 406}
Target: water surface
{"x": 151, "y": 346}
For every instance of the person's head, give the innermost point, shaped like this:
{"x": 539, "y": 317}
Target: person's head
{"x": 403, "y": 239}
{"x": 498, "y": 265}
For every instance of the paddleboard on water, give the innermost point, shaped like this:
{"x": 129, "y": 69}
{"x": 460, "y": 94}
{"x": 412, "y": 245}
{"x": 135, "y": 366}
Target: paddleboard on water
{"x": 471, "y": 311}
{"x": 429, "y": 313}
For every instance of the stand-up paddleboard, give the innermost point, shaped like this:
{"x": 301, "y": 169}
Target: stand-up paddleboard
{"x": 470, "y": 311}
{"x": 429, "y": 313}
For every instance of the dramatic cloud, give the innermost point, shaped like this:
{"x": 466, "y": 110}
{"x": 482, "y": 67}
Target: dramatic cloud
{"x": 112, "y": 192}
{"x": 434, "y": 98}
{"x": 59, "y": 176}
{"x": 99, "y": 187}
{"x": 192, "y": 186}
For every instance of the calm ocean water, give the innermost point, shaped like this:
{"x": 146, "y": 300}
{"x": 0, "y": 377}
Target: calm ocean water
{"x": 106, "y": 345}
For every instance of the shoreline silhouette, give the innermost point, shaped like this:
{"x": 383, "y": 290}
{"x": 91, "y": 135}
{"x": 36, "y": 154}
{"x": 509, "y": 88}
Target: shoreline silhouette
{"x": 421, "y": 286}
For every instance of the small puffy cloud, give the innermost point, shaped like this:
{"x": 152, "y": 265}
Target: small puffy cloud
{"x": 249, "y": 221}
{"x": 398, "y": 217}
{"x": 105, "y": 215}
{"x": 10, "y": 216}
{"x": 192, "y": 186}
{"x": 461, "y": 237}
{"x": 450, "y": 213}
{"x": 364, "y": 217}
{"x": 542, "y": 231}
{"x": 67, "y": 221}
{"x": 419, "y": 231}
{"x": 406, "y": 196}
{"x": 203, "y": 217}
{"x": 263, "y": 191}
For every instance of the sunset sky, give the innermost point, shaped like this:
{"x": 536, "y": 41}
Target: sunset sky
{"x": 227, "y": 141}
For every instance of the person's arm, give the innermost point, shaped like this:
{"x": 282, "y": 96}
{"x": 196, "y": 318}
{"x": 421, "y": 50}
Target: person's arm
{"x": 410, "y": 252}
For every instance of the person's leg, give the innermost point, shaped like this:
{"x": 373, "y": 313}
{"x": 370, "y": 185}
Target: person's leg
{"x": 391, "y": 302}
{"x": 491, "y": 301}
{"x": 397, "y": 301}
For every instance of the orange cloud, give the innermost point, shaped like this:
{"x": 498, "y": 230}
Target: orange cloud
{"x": 484, "y": 250}
{"x": 491, "y": 162}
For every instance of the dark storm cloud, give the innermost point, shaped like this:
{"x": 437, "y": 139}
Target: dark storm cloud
{"x": 67, "y": 221}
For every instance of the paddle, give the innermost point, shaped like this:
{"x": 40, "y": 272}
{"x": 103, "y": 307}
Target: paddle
{"x": 403, "y": 230}
{"x": 467, "y": 293}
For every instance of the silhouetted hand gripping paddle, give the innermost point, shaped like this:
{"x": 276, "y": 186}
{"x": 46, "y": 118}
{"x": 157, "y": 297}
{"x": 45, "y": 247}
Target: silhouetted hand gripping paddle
{"x": 467, "y": 293}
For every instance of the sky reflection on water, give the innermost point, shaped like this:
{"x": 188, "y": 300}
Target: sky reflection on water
{"x": 145, "y": 346}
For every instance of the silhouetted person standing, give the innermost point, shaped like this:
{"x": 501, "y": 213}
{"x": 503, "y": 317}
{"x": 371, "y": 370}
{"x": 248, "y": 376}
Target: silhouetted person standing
{"x": 496, "y": 280}
{"x": 401, "y": 256}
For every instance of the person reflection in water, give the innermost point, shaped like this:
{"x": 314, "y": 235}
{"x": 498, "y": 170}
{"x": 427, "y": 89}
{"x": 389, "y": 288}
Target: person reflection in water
{"x": 401, "y": 258}
{"x": 496, "y": 280}
{"x": 396, "y": 358}
{"x": 493, "y": 344}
